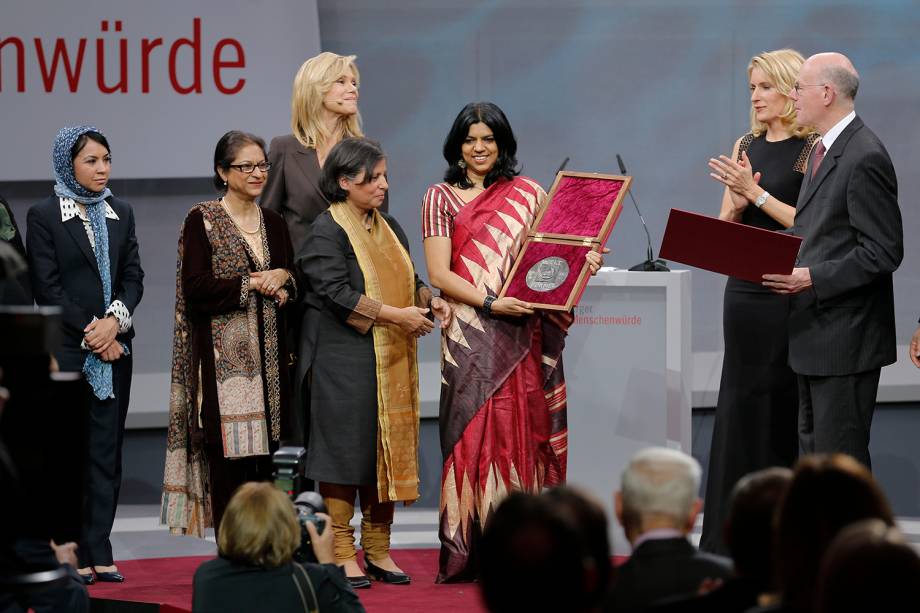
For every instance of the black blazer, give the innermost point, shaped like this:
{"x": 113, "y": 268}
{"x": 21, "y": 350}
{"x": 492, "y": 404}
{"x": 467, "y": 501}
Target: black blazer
{"x": 222, "y": 586}
{"x": 849, "y": 218}
{"x": 17, "y": 290}
{"x": 292, "y": 189}
{"x": 661, "y": 569}
{"x": 64, "y": 271}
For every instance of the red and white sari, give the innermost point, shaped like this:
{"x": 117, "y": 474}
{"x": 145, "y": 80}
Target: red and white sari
{"x": 503, "y": 400}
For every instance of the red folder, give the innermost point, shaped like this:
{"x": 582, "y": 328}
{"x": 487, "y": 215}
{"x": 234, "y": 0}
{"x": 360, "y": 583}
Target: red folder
{"x": 728, "y": 248}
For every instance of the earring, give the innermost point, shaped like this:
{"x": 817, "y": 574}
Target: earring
{"x": 461, "y": 164}
{"x": 225, "y": 184}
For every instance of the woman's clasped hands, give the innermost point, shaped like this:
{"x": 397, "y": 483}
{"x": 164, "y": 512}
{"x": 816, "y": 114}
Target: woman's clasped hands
{"x": 270, "y": 283}
{"x": 100, "y": 338}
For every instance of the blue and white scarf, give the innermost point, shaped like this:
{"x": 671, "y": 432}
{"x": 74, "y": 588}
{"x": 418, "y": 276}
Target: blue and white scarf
{"x": 98, "y": 373}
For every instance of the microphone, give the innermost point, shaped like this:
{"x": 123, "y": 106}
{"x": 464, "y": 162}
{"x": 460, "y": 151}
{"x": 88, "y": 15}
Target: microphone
{"x": 562, "y": 166}
{"x": 650, "y": 264}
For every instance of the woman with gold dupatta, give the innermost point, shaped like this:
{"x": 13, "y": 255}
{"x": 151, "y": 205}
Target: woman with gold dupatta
{"x": 503, "y": 400}
{"x": 368, "y": 307}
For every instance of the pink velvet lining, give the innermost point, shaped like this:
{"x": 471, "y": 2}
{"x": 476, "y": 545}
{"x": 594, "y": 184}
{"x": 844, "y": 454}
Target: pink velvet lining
{"x": 574, "y": 255}
{"x": 580, "y": 206}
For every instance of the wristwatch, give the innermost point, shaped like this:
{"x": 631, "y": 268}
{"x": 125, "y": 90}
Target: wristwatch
{"x": 487, "y": 305}
{"x": 761, "y": 199}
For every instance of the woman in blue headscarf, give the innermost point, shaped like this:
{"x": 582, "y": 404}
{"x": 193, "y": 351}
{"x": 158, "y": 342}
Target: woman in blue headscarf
{"x": 83, "y": 258}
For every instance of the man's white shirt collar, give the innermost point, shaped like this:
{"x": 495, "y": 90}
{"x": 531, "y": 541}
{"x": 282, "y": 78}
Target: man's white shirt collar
{"x": 832, "y": 134}
{"x": 69, "y": 210}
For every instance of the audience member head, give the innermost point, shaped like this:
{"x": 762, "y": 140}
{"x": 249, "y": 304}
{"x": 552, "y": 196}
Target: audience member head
{"x": 749, "y": 527}
{"x": 529, "y": 541}
{"x": 658, "y": 490}
{"x": 869, "y": 567}
{"x": 827, "y": 493}
{"x": 589, "y": 517}
{"x": 778, "y": 69}
{"x": 325, "y": 87}
{"x": 826, "y": 90}
{"x": 259, "y": 527}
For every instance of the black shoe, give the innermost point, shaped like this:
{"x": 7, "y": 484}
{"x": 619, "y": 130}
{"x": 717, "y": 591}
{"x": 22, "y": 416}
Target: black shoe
{"x": 88, "y": 579}
{"x": 361, "y": 582}
{"x": 110, "y": 577}
{"x": 387, "y": 576}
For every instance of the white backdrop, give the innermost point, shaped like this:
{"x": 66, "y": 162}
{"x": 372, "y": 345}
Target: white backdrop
{"x": 181, "y": 73}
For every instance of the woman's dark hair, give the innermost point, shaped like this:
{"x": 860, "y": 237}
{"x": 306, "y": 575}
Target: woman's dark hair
{"x": 227, "y": 148}
{"x": 749, "y": 529}
{"x": 827, "y": 493}
{"x": 531, "y": 540}
{"x": 81, "y": 142}
{"x": 506, "y": 166}
{"x": 347, "y": 159}
{"x": 869, "y": 567}
{"x": 591, "y": 521}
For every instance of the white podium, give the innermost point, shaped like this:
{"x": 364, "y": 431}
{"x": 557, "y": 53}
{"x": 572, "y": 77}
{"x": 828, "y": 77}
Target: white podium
{"x": 628, "y": 372}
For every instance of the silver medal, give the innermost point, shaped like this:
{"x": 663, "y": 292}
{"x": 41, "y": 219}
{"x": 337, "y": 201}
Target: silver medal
{"x": 547, "y": 274}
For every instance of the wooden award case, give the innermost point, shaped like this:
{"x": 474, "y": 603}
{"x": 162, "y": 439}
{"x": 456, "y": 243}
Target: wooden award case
{"x": 580, "y": 213}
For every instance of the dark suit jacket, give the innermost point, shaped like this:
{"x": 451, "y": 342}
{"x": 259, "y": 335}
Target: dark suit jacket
{"x": 64, "y": 271}
{"x": 292, "y": 189}
{"x": 222, "y": 586}
{"x": 849, "y": 219}
{"x": 17, "y": 290}
{"x": 734, "y": 596}
{"x": 662, "y": 569}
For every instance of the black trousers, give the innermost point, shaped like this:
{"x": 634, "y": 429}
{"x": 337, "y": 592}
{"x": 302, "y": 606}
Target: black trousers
{"x": 105, "y": 432}
{"x": 835, "y": 413}
{"x": 225, "y": 476}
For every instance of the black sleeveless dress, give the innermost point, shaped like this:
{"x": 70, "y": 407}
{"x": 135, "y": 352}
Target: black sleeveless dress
{"x": 757, "y": 412}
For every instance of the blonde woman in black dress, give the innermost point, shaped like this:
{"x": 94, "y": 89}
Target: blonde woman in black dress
{"x": 757, "y": 411}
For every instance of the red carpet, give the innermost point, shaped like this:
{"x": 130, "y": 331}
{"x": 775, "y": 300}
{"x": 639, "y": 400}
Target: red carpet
{"x": 169, "y": 581}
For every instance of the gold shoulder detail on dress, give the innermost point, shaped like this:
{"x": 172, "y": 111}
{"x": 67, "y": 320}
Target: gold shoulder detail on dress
{"x": 802, "y": 161}
{"x": 744, "y": 143}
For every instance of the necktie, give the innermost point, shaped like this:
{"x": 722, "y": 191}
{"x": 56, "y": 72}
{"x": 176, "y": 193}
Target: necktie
{"x": 819, "y": 156}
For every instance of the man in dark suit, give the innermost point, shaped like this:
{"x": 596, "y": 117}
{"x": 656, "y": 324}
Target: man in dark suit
{"x": 657, "y": 506}
{"x": 749, "y": 535}
{"x": 841, "y": 324}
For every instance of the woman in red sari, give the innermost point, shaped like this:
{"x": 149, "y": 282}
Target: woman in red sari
{"x": 503, "y": 408}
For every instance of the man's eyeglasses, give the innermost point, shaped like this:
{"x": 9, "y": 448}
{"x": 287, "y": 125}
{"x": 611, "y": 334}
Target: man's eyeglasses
{"x": 247, "y": 169}
{"x": 798, "y": 87}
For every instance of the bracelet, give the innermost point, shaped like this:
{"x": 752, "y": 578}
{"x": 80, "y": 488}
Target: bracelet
{"x": 487, "y": 305}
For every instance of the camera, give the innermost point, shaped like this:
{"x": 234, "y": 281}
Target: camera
{"x": 288, "y": 477}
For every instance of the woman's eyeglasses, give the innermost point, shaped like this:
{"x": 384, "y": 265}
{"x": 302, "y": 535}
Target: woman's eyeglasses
{"x": 247, "y": 169}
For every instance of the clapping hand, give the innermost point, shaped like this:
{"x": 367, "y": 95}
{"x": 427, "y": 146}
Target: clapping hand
{"x": 738, "y": 178}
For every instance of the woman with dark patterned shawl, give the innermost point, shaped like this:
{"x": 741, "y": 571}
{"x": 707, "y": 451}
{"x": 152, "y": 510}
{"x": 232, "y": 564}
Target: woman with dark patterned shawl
{"x": 503, "y": 401}
{"x": 366, "y": 307}
{"x": 229, "y": 394}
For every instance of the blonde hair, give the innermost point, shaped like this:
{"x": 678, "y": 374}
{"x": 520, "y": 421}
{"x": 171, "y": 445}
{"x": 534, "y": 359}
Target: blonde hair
{"x": 259, "y": 527}
{"x": 782, "y": 69}
{"x": 312, "y": 83}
